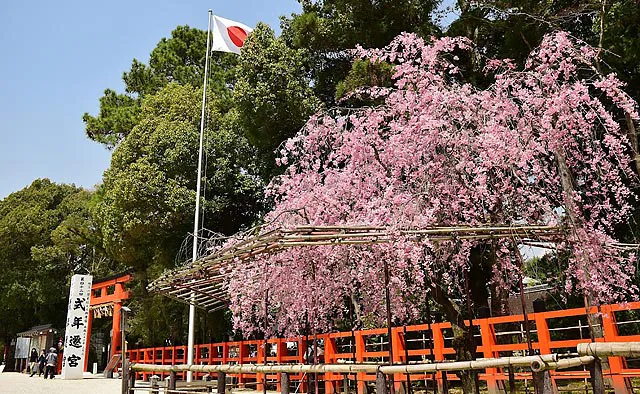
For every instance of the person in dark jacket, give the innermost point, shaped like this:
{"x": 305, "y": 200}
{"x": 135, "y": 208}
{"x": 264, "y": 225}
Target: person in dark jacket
{"x": 52, "y": 362}
{"x": 33, "y": 361}
{"x": 42, "y": 361}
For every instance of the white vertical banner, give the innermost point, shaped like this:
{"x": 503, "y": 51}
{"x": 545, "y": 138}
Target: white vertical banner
{"x": 75, "y": 337}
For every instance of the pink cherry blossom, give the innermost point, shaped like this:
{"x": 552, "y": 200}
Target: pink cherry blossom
{"x": 441, "y": 152}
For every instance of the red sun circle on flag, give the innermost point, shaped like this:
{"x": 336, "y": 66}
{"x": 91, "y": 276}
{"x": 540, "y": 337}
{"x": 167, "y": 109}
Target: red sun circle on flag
{"x": 237, "y": 35}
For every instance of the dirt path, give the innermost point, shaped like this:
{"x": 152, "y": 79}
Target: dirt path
{"x": 17, "y": 383}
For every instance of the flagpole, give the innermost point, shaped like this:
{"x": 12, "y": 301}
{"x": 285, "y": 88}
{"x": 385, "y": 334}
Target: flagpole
{"x": 196, "y": 224}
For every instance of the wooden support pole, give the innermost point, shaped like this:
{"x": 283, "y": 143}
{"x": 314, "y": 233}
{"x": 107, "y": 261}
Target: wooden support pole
{"x": 87, "y": 344}
{"x": 222, "y": 383}
{"x": 284, "y": 383}
{"x": 266, "y": 344}
{"x": 381, "y": 383}
{"x": 512, "y": 381}
{"x": 523, "y": 303}
{"x": 595, "y": 373}
{"x": 543, "y": 383}
{"x": 387, "y": 297}
{"x": 472, "y": 345}
{"x": 345, "y": 384}
{"x": 445, "y": 383}
{"x": 536, "y": 375}
{"x": 571, "y": 210}
{"x": 542, "y": 365}
{"x": 315, "y": 360}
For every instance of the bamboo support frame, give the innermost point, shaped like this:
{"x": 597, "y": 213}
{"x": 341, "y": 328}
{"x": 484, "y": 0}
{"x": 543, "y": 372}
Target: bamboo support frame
{"x": 538, "y": 366}
{"x": 206, "y": 277}
{"x": 523, "y": 361}
{"x": 550, "y": 361}
{"x": 258, "y": 368}
{"x": 609, "y": 349}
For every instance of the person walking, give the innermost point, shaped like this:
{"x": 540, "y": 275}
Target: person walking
{"x": 52, "y": 362}
{"x": 33, "y": 361}
{"x": 42, "y": 361}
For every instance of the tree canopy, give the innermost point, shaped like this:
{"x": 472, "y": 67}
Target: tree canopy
{"x": 179, "y": 59}
{"x": 46, "y": 235}
{"x": 148, "y": 196}
{"x": 273, "y": 95}
{"x": 327, "y": 28}
{"x": 539, "y": 146}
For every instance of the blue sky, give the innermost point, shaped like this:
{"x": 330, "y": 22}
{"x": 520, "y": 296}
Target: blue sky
{"x": 57, "y": 59}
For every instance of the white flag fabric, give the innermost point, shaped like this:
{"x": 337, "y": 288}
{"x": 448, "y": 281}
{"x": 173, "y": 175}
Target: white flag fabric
{"x": 228, "y": 35}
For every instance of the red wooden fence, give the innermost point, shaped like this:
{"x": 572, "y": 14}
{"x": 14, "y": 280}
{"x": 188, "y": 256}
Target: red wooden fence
{"x": 552, "y": 332}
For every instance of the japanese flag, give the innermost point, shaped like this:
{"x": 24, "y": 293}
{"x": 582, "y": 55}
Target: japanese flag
{"x": 228, "y": 35}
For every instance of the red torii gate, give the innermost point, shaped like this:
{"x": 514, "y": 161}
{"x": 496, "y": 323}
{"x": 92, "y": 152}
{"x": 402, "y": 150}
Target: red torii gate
{"x": 107, "y": 296}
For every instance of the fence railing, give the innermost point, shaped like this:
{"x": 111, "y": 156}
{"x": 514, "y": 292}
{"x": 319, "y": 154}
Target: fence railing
{"x": 556, "y": 332}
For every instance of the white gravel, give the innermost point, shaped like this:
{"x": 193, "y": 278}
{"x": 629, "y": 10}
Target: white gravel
{"x": 18, "y": 383}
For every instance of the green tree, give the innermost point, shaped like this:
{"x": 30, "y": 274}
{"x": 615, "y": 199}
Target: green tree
{"x": 621, "y": 39}
{"x": 364, "y": 73}
{"x": 178, "y": 59}
{"x": 326, "y": 28}
{"x": 511, "y": 29}
{"x": 148, "y": 195}
{"x": 46, "y": 235}
{"x": 272, "y": 95}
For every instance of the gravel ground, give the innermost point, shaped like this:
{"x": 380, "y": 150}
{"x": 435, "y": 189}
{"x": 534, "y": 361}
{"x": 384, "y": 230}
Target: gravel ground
{"x": 18, "y": 383}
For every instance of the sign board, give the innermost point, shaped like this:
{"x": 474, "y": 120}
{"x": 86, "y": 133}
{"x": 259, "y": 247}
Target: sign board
{"x": 75, "y": 337}
{"x": 22, "y": 347}
{"x": 113, "y": 363}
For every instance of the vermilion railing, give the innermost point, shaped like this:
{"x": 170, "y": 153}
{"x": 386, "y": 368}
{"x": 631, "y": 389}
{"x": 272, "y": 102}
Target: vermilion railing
{"x": 552, "y": 332}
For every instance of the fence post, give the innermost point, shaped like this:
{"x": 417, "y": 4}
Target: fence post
{"x": 281, "y": 351}
{"x": 125, "y": 376}
{"x": 438, "y": 350}
{"x": 284, "y": 383}
{"x": 360, "y": 351}
{"x": 616, "y": 364}
{"x": 329, "y": 358}
{"x": 544, "y": 342}
{"x": 398, "y": 346}
{"x": 132, "y": 380}
{"x": 222, "y": 383}
{"x": 445, "y": 384}
{"x": 172, "y": 380}
{"x": 381, "y": 383}
{"x": 488, "y": 341}
{"x": 261, "y": 378}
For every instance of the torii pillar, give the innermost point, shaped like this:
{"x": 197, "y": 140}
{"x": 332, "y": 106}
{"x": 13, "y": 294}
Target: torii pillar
{"x": 108, "y": 292}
